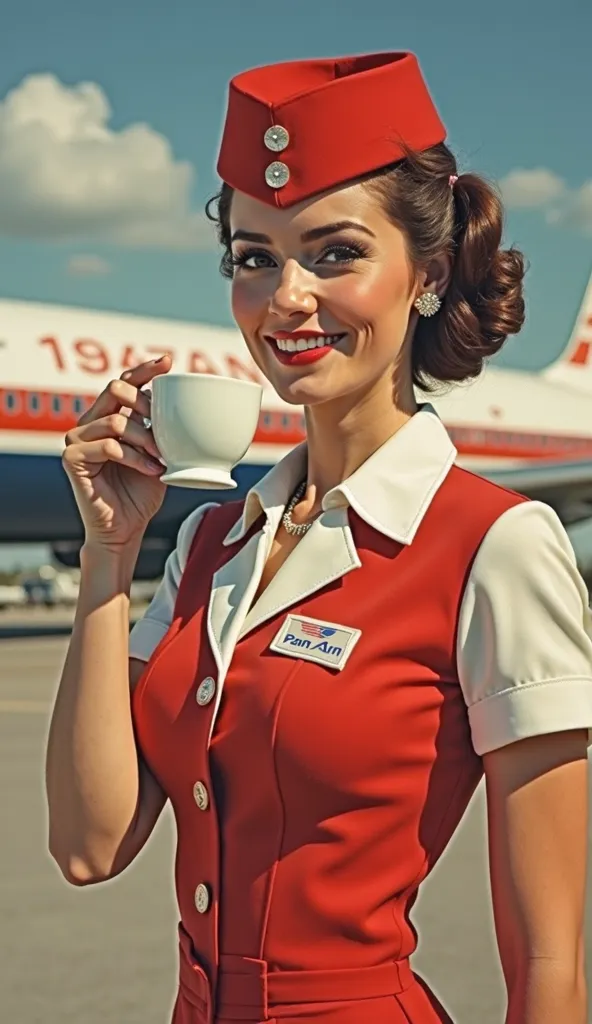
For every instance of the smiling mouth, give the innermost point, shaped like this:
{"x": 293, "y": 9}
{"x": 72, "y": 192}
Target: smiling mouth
{"x": 304, "y": 343}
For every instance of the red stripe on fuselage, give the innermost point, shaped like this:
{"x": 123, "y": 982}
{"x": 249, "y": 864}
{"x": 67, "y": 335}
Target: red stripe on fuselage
{"x": 581, "y": 354}
{"x": 55, "y": 413}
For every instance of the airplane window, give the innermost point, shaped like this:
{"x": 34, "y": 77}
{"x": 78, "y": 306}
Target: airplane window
{"x": 267, "y": 420}
{"x": 78, "y": 405}
{"x": 34, "y": 403}
{"x": 286, "y": 422}
{"x": 56, "y": 404}
{"x": 11, "y": 402}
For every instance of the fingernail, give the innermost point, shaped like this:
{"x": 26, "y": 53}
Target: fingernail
{"x": 159, "y": 360}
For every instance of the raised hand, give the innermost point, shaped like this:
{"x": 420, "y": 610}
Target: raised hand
{"x": 113, "y": 463}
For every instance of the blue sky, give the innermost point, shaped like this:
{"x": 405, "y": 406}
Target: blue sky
{"x": 513, "y": 86}
{"x": 513, "y": 83}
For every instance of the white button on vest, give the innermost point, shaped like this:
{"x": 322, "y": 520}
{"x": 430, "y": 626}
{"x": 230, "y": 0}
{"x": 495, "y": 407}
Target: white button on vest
{"x": 205, "y": 691}
{"x": 200, "y": 794}
{"x": 202, "y": 898}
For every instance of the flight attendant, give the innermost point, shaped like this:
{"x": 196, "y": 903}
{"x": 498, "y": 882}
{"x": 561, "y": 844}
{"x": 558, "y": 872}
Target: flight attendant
{"x": 329, "y": 667}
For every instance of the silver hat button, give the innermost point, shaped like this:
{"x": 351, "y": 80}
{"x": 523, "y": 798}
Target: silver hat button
{"x": 277, "y": 174}
{"x": 276, "y": 138}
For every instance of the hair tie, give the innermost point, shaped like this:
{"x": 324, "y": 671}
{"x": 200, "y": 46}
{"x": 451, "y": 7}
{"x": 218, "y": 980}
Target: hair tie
{"x": 452, "y": 179}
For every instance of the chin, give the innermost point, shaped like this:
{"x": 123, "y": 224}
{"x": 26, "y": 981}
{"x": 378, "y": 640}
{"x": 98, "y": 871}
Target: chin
{"x": 305, "y": 391}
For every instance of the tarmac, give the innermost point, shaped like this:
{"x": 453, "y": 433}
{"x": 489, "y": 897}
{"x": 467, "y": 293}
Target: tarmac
{"x": 107, "y": 952}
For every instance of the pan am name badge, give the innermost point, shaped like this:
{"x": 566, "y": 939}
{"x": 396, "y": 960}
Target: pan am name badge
{"x": 325, "y": 643}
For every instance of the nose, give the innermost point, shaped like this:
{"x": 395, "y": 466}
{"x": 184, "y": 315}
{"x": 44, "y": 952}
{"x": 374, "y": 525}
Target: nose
{"x": 294, "y": 293}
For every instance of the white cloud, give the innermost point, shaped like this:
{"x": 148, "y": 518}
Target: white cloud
{"x": 65, "y": 174}
{"x": 542, "y": 188}
{"x": 578, "y": 212}
{"x": 536, "y": 187}
{"x": 87, "y": 265}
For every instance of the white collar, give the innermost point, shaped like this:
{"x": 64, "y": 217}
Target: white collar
{"x": 391, "y": 490}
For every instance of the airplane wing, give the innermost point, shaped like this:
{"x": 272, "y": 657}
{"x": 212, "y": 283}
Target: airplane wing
{"x": 566, "y": 485}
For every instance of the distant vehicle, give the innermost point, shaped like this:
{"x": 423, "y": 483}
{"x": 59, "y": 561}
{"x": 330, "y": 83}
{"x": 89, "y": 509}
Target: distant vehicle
{"x": 50, "y": 587}
{"x": 529, "y": 431}
{"x": 12, "y": 596}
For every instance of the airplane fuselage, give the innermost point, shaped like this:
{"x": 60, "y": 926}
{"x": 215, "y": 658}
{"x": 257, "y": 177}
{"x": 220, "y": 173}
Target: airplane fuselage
{"x": 55, "y": 360}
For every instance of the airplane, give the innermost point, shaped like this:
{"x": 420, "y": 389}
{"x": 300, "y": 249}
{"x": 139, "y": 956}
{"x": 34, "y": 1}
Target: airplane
{"x": 528, "y": 431}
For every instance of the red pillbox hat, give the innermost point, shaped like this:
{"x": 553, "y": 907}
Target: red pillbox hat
{"x": 302, "y": 127}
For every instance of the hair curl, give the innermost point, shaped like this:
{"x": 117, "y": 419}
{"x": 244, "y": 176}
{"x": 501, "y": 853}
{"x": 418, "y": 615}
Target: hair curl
{"x": 484, "y": 301}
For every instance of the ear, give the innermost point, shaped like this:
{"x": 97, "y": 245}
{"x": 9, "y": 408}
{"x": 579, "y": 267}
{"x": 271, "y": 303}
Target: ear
{"x": 436, "y": 276}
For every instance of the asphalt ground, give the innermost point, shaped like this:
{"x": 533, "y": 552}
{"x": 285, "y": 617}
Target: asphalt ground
{"x": 107, "y": 953}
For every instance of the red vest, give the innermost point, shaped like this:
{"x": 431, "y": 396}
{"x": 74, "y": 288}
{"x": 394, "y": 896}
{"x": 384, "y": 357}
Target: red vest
{"x": 324, "y": 797}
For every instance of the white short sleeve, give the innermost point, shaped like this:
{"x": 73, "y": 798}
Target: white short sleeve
{"x": 151, "y": 628}
{"x": 525, "y": 634}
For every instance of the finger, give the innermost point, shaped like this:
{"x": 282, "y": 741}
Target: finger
{"x": 141, "y": 418}
{"x": 117, "y": 395}
{"x": 144, "y": 422}
{"x": 119, "y": 426}
{"x": 87, "y": 459}
{"x": 141, "y": 375}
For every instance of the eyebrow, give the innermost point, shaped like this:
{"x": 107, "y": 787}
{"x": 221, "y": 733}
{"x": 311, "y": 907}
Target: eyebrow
{"x": 309, "y": 236}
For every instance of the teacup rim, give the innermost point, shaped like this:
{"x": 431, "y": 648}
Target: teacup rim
{"x": 212, "y": 376}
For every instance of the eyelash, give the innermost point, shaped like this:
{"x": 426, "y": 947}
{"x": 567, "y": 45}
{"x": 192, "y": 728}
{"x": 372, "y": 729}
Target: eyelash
{"x": 239, "y": 260}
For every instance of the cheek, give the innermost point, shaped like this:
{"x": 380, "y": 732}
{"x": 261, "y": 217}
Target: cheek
{"x": 370, "y": 298}
{"x": 249, "y": 304}
{"x": 249, "y": 301}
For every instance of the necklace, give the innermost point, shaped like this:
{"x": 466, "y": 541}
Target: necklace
{"x": 295, "y": 529}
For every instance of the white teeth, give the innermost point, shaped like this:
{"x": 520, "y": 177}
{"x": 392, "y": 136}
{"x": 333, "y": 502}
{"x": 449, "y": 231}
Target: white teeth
{"x": 302, "y": 344}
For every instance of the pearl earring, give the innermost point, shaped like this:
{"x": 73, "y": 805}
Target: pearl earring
{"x": 427, "y": 304}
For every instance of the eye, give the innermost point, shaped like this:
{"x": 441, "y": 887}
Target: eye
{"x": 252, "y": 259}
{"x": 343, "y": 253}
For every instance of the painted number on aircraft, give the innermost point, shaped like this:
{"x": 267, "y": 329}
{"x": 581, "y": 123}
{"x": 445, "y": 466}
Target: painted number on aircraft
{"x": 95, "y": 358}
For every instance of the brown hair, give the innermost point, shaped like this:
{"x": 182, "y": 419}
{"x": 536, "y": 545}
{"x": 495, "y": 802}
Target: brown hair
{"x": 484, "y": 302}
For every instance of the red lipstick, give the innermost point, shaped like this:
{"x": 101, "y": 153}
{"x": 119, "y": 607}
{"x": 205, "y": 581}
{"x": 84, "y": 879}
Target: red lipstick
{"x": 304, "y": 356}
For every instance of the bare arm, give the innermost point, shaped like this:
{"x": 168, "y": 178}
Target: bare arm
{"x": 103, "y": 801}
{"x": 537, "y": 797}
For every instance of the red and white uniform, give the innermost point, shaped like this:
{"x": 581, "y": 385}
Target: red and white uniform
{"x": 320, "y": 746}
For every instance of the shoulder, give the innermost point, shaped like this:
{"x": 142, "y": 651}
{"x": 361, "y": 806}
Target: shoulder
{"x": 156, "y": 621}
{"x": 527, "y": 540}
{"x": 524, "y": 645}
{"x": 467, "y": 482}
{"x": 189, "y": 527}
{"x": 150, "y": 629}
{"x": 473, "y": 503}
{"x": 220, "y": 517}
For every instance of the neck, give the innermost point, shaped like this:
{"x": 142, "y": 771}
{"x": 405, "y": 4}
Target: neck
{"x": 342, "y": 435}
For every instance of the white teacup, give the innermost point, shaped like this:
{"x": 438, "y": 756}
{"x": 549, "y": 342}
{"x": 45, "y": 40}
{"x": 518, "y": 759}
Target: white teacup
{"x": 203, "y": 425}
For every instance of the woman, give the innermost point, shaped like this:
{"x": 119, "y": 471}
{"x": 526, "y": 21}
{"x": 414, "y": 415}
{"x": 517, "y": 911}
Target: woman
{"x": 328, "y": 668}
